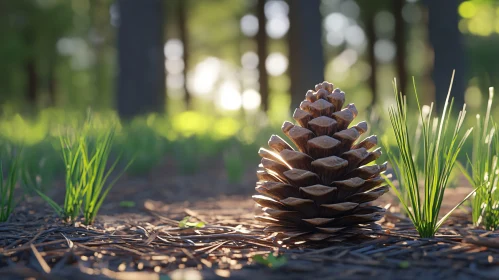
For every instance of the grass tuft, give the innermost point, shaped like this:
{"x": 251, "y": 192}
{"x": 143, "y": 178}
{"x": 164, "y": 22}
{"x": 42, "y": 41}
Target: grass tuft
{"x": 86, "y": 173}
{"x": 7, "y": 186}
{"x": 485, "y": 171}
{"x": 441, "y": 145}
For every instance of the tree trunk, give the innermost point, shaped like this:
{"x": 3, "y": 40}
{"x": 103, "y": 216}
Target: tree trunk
{"x": 31, "y": 82}
{"x": 52, "y": 83}
{"x": 184, "y": 37}
{"x": 141, "y": 79}
{"x": 400, "y": 43}
{"x": 449, "y": 52}
{"x": 306, "y": 58}
{"x": 371, "y": 39}
{"x": 261, "y": 40}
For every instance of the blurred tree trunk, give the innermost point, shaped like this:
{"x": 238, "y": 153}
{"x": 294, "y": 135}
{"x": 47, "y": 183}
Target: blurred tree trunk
{"x": 51, "y": 81}
{"x": 141, "y": 79}
{"x": 306, "y": 58}
{"x": 184, "y": 37}
{"x": 261, "y": 40}
{"x": 400, "y": 41}
{"x": 99, "y": 24}
{"x": 371, "y": 39}
{"x": 449, "y": 52}
{"x": 32, "y": 82}
{"x": 30, "y": 68}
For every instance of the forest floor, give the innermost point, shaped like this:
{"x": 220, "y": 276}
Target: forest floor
{"x": 142, "y": 240}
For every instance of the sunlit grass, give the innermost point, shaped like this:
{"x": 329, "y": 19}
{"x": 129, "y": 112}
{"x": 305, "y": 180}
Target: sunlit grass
{"x": 441, "y": 146}
{"x": 7, "y": 186}
{"x": 86, "y": 173}
{"x": 485, "y": 171}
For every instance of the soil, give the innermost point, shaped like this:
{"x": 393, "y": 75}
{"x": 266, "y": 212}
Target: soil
{"x": 144, "y": 241}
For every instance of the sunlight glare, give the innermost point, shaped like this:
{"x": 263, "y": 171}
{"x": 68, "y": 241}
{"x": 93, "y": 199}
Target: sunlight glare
{"x": 384, "y": 50}
{"x": 277, "y": 27}
{"x": 276, "y": 8}
{"x": 229, "y": 96}
{"x": 335, "y": 38}
{"x": 174, "y": 66}
{"x": 467, "y": 9}
{"x": 204, "y": 76}
{"x": 175, "y": 81}
{"x": 354, "y": 35}
{"x": 276, "y": 12}
{"x": 335, "y": 22}
{"x": 344, "y": 61}
{"x": 249, "y": 60}
{"x": 249, "y": 25}
{"x": 251, "y": 99}
{"x": 276, "y": 64}
{"x": 174, "y": 49}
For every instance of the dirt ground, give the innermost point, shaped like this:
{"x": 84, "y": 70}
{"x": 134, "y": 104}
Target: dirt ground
{"x": 144, "y": 241}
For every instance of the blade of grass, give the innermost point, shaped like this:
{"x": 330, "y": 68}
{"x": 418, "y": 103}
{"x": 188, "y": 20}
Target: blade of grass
{"x": 440, "y": 150}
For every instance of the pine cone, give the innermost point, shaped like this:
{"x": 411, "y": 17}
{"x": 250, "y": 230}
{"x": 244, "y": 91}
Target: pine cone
{"x": 323, "y": 190}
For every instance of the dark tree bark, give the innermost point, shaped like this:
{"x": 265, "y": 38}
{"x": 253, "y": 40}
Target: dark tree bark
{"x": 306, "y": 58}
{"x": 371, "y": 39}
{"x": 141, "y": 79}
{"x": 400, "y": 43}
{"x": 449, "y": 52}
{"x": 261, "y": 40}
{"x": 184, "y": 37}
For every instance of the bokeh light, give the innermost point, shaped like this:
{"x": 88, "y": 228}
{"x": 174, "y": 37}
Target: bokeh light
{"x": 229, "y": 96}
{"x": 174, "y": 49}
{"x": 202, "y": 80}
{"x": 249, "y": 25}
{"x": 276, "y": 64}
{"x": 384, "y": 50}
{"x": 249, "y": 60}
{"x": 251, "y": 99}
{"x": 350, "y": 8}
{"x": 354, "y": 35}
{"x": 467, "y": 9}
{"x": 335, "y": 22}
{"x": 384, "y": 24}
{"x": 276, "y": 12}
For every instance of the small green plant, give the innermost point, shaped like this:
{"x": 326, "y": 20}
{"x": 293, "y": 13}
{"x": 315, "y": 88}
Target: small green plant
{"x": 440, "y": 149}
{"x": 184, "y": 223}
{"x": 127, "y": 204}
{"x": 7, "y": 186}
{"x": 484, "y": 170}
{"x": 86, "y": 173}
{"x": 270, "y": 260}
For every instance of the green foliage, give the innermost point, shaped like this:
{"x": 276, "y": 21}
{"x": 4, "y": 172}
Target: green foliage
{"x": 86, "y": 173}
{"x": 184, "y": 223}
{"x": 7, "y": 186}
{"x": 127, "y": 204}
{"x": 441, "y": 146}
{"x": 143, "y": 145}
{"x": 270, "y": 260}
{"x": 41, "y": 165}
{"x": 484, "y": 170}
{"x": 234, "y": 164}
